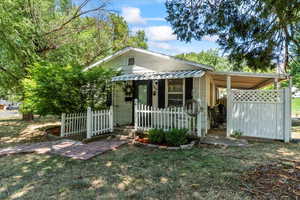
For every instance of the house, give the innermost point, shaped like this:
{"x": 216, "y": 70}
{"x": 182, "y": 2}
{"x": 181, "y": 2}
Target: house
{"x": 160, "y": 82}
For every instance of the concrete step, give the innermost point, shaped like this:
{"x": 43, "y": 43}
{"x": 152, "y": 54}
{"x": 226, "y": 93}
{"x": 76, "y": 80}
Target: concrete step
{"x": 125, "y": 130}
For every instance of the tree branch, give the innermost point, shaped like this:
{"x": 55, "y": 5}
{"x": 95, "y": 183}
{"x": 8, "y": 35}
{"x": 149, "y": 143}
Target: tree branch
{"x": 76, "y": 15}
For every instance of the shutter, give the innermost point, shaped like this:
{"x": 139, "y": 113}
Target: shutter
{"x": 161, "y": 93}
{"x": 188, "y": 89}
{"x": 149, "y": 92}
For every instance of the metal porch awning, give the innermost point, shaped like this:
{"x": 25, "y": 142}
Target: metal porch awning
{"x": 160, "y": 75}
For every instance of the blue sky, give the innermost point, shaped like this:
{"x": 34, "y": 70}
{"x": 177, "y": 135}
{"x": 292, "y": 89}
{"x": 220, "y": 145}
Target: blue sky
{"x": 148, "y": 15}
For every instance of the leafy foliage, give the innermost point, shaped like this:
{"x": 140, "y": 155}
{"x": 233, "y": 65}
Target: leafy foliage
{"x": 56, "y": 33}
{"x": 156, "y": 136}
{"x": 257, "y": 32}
{"x": 53, "y": 89}
{"x": 210, "y": 57}
{"x": 176, "y": 137}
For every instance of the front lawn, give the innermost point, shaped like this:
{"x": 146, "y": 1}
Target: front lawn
{"x": 296, "y": 106}
{"x": 132, "y": 172}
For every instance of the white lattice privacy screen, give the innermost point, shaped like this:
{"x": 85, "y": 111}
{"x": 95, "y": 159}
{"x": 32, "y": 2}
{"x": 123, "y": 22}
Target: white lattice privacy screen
{"x": 261, "y": 96}
{"x": 260, "y": 113}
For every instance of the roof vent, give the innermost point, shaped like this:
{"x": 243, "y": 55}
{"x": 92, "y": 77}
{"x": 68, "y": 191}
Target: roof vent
{"x": 131, "y": 61}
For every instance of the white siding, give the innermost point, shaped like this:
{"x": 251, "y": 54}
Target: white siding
{"x": 146, "y": 63}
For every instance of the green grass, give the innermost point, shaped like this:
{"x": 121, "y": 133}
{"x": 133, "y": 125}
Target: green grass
{"x": 296, "y": 106}
{"x": 130, "y": 172}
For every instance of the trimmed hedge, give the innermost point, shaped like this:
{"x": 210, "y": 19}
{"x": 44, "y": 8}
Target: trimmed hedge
{"x": 174, "y": 137}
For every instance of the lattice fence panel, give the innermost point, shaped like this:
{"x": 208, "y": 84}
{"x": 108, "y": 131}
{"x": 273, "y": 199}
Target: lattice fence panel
{"x": 261, "y": 96}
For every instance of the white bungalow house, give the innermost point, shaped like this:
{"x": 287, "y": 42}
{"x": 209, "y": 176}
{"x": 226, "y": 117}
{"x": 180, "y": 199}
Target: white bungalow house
{"x": 163, "y": 83}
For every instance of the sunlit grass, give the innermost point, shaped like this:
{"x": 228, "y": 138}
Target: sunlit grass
{"x": 132, "y": 172}
{"x": 296, "y": 106}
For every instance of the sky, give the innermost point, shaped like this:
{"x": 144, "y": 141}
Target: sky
{"x": 149, "y": 15}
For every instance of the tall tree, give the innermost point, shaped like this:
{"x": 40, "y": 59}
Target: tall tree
{"x": 54, "y": 31}
{"x": 210, "y": 57}
{"x": 259, "y": 32}
{"x": 122, "y": 36}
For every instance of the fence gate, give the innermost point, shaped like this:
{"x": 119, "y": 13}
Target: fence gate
{"x": 260, "y": 113}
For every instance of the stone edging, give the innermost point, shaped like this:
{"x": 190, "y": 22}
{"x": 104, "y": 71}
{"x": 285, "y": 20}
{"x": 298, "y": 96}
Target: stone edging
{"x": 186, "y": 146}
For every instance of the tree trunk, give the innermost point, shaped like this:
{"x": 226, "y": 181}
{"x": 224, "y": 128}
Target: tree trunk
{"x": 27, "y": 116}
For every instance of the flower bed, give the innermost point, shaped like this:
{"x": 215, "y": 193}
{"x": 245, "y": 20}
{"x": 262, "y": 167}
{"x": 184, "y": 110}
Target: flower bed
{"x": 174, "y": 139}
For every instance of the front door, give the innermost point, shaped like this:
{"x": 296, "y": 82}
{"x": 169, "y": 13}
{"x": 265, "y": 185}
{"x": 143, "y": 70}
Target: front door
{"x": 143, "y": 93}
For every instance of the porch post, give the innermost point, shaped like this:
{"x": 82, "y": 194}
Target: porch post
{"x": 276, "y": 85}
{"x": 199, "y": 128}
{"x": 228, "y": 121}
{"x": 135, "y": 114}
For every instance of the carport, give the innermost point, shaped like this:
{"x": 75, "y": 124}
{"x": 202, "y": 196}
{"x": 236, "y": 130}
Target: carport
{"x": 254, "y": 110}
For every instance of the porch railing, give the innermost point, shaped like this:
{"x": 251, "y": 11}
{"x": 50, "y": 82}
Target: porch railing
{"x": 147, "y": 117}
{"x": 91, "y": 123}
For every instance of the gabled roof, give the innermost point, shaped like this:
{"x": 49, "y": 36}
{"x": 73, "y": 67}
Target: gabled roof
{"x": 125, "y": 50}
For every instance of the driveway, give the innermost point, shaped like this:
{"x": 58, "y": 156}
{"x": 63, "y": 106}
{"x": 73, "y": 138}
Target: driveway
{"x": 8, "y": 114}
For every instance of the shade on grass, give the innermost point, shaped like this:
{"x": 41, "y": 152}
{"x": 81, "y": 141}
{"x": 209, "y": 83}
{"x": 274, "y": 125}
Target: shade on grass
{"x": 131, "y": 172}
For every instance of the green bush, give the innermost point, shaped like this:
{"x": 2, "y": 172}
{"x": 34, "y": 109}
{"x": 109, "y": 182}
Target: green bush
{"x": 54, "y": 89}
{"x": 176, "y": 137}
{"x": 156, "y": 136}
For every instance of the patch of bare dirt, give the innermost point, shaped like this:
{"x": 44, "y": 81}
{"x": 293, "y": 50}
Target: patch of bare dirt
{"x": 273, "y": 181}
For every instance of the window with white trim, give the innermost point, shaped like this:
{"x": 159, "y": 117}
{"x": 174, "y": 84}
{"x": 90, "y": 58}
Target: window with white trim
{"x": 175, "y": 92}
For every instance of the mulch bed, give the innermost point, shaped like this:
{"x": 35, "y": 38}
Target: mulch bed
{"x": 54, "y": 130}
{"x": 274, "y": 181}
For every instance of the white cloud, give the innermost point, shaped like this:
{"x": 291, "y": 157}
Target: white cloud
{"x": 161, "y": 45}
{"x": 159, "y": 33}
{"x": 133, "y": 16}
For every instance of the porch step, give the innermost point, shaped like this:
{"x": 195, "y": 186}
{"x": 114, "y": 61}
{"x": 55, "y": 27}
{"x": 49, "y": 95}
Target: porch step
{"x": 125, "y": 130}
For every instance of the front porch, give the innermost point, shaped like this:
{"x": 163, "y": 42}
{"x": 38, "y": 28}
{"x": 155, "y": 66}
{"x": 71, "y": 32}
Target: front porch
{"x": 161, "y": 99}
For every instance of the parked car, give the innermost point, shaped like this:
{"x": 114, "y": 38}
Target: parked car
{"x": 12, "y": 107}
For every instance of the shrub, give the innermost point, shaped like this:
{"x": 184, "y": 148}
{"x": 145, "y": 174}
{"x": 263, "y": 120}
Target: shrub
{"x": 156, "y": 136}
{"x": 237, "y": 134}
{"x": 54, "y": 89}
{"x": 176, "y": 137}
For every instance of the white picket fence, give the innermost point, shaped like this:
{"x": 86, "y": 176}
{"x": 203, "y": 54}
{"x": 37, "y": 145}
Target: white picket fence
{"x": 73, "y": 123}
{"x": 99, "y": 122}
{"x": 92, "y": 123}
{"x": 147, "y": 117}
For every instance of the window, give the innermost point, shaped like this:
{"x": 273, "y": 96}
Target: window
{"x": 131, "y": 61}
{"x": 175, "y": 92}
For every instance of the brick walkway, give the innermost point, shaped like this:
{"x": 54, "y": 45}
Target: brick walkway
{"x": 68, "y": 148}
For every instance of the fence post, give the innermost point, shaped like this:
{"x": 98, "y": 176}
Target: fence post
{"x": 135, "y": 114}
{"x": 229, "y": 107}
{"x": 287, "y": 114}
{"x": 111, "y": 119}
{"x": 199, "y": 128}
{"x": 89, "y": 123}
{"x": 63, "y": 124}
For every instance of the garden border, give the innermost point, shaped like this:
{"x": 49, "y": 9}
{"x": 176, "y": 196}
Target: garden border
{"x": 181, "y": 147}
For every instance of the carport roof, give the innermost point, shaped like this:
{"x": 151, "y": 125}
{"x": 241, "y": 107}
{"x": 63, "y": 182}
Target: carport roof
{"x": 246, "y": 80}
